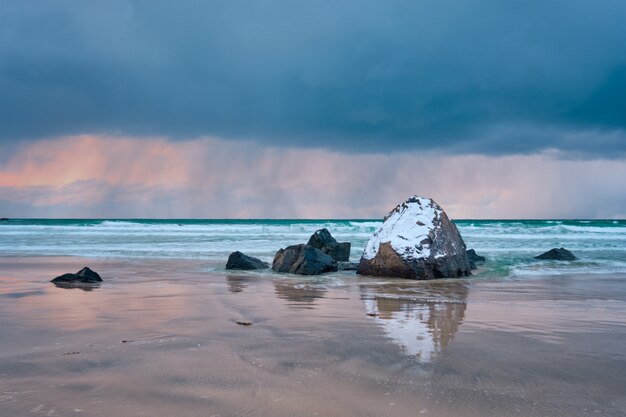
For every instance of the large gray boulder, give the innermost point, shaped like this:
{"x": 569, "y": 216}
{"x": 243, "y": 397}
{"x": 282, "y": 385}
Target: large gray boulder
{"x": 418, "y": 241}
{"x": 557, "y": 254}
{"x": 303, "y": 260}
{"x": 239, "y": 261}
{"x": 84, "y": 276}
{"x": 323, "y": 240}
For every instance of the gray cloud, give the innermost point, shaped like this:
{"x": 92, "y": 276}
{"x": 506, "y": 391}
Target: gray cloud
{"x": 492, "y": 77}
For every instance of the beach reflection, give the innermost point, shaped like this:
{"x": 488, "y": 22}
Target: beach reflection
{"x": 83, "y": 308}
{"x": 421, "y": 320}
{"x": 299, "y": 295}
{"x": 87, "y": 288}
{"x": 238, "y": 283}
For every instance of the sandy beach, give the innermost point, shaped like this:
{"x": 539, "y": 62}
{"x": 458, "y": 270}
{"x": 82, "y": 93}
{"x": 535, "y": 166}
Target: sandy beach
{"x": 160, "y": 338}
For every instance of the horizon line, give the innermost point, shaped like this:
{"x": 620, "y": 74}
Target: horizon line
{"x": 8, "y": 219}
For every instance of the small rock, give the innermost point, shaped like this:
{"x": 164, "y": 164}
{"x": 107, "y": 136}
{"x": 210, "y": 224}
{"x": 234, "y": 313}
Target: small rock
{"x": 84, "y": 276}
{"x": 244, "y": 323}
{"x": 286, "y": 258}
{"x": 4, "y": 219}
{"x": 339, "y": 251}
{"x": 71, "y": 353}
{"x": 347, "y": 266}
{"x": 555, "y": 254}
{"x": 238, "y": 260}
{"x": 323, "y": 240}
{"x": 474, "y": 258}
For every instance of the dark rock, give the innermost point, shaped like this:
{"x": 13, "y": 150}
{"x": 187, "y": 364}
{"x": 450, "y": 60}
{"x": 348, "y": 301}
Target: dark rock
{"x": 303, "y": 260}
{"x": 555, "y": 254}
{"x": 244, "y": 323}
{"x": 474, "y": 258}
{"x": 89, "y": 275}
{"x": 323, "y": 240}
{"x": 313, "y": 261}
{"x": 4, "y": 219}
{"x": 347, "y": 266}
{"x": 418, "y": 241}
{"x": 286, "y": 258}
{"x": 238, "y": 260}
{"x": 84, "y": 276}
{"x": 339, "y": 251}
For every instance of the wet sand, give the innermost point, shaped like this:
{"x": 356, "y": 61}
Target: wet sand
{"x": 160, "y": 338}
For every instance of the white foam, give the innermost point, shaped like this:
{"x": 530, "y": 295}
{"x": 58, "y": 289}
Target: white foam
{"x": 551, "y": 268}
{"x": 508, "y": 245}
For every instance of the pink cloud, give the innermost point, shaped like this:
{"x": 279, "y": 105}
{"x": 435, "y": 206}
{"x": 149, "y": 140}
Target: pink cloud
{"x": 99, "y": 176}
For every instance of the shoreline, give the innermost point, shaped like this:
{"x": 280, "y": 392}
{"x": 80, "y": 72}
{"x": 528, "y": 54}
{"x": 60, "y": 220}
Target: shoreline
{"x": 216, "y": 267}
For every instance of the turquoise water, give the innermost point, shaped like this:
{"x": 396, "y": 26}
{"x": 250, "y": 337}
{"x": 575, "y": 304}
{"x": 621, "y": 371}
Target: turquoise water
{"x": 508, "y": 245}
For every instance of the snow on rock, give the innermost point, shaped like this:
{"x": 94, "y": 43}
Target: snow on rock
{"x": 407, "y": 228}
{"x": 417, "y": 240}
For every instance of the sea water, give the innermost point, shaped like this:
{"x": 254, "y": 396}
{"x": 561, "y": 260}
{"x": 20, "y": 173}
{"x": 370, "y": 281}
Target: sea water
{"x": 509, "y": 246}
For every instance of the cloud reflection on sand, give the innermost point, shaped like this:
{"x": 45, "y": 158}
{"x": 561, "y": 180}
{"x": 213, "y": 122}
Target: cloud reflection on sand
{"x": 81, "y": 308}
{"x": 421, "y": 325}
{"x": 299, "y": 295}
{"x": 238, "y": 283}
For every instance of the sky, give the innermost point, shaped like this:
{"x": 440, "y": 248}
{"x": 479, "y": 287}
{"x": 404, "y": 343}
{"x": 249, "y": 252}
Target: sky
{"x": 300, "y": 109}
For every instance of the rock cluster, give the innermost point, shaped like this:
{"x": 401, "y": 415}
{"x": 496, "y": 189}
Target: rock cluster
{"x": 322, "y": 253}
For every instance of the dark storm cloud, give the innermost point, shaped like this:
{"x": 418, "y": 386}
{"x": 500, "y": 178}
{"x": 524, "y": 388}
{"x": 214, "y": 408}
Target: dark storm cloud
{"x": 483, "y": 76}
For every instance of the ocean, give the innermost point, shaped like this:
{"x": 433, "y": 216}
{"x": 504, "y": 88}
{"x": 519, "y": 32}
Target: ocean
{"x": 508, "y": 245}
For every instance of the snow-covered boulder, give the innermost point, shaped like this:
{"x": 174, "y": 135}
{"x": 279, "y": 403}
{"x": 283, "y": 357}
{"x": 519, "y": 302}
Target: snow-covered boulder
{"x": 417, "y": 240}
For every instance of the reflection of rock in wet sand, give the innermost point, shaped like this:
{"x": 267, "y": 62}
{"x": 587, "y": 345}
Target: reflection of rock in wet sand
{"x": 237, "y": 283}
{"x": 69, "y": 286}
{"x": 422, "y": 324}
{"x": 302, "y": 294}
